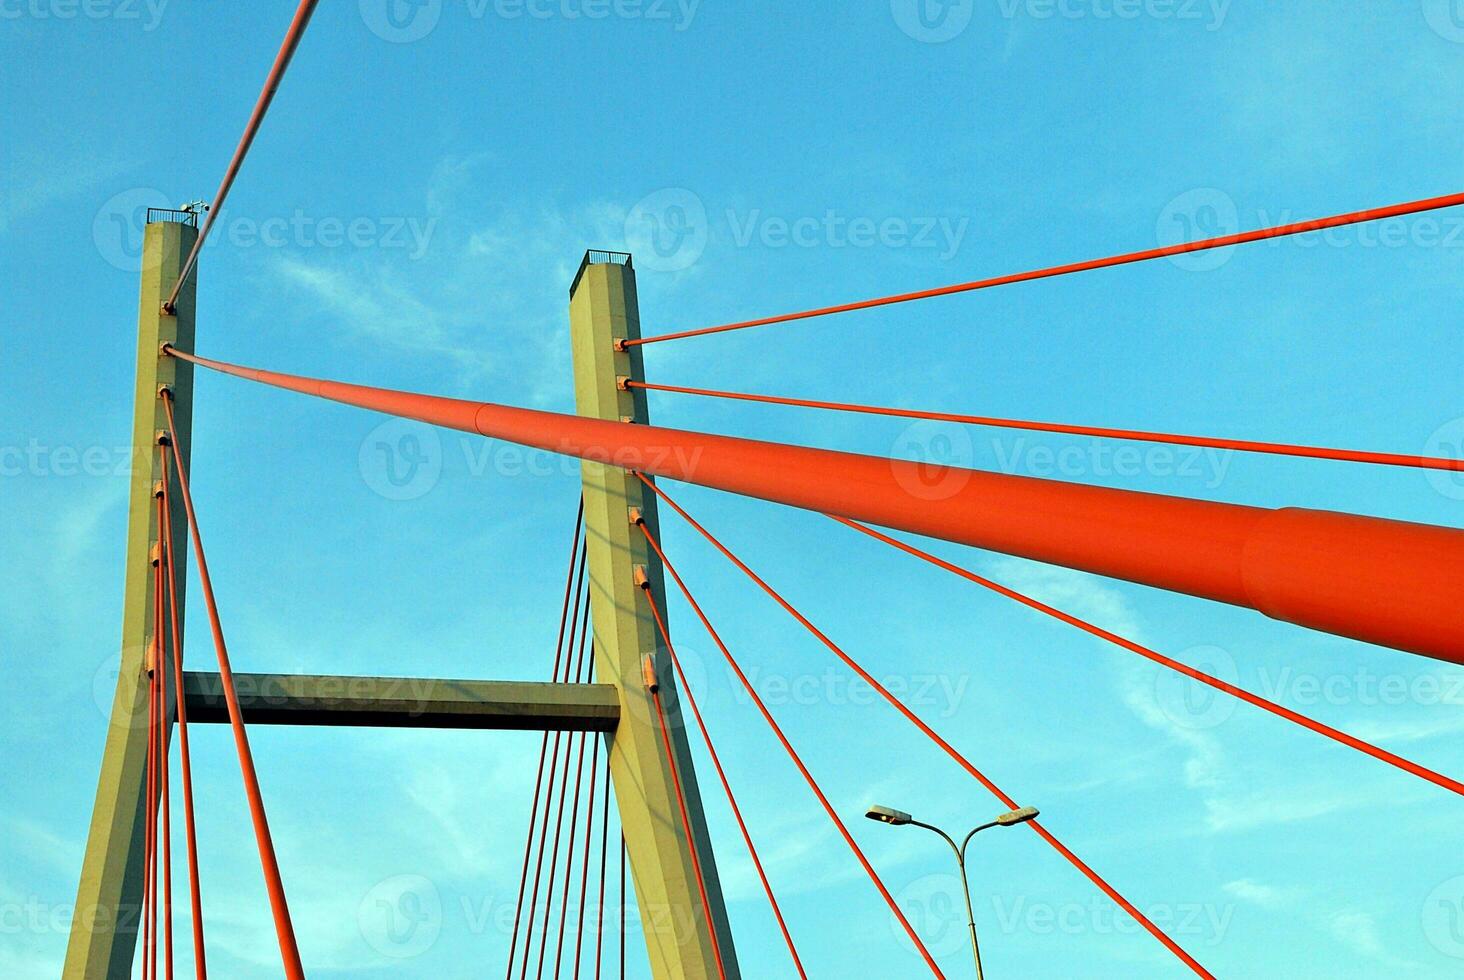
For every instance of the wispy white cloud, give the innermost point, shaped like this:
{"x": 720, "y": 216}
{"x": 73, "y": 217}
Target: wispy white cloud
{"x": 1089, "y": 597}
{"x": 1357, "y": 930}
{"x": 43, "y": 844}
{"x": 377, "y": 306}
{"x": 51, "y": 181}
{"x": 1232, "y": 792}
{"x": 1261, "y": 894}
{"x": 488, "y": 291}
{"x": 1228, "y": 811}
{"x": 27, "y": 963}
{"x": 1410, "y": 729}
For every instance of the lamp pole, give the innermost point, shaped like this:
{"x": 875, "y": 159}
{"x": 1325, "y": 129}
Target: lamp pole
{"x": 899, "y": 818}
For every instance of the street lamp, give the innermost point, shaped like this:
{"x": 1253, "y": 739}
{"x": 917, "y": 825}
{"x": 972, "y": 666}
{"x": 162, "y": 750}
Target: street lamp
{"x": 899, "y": 818}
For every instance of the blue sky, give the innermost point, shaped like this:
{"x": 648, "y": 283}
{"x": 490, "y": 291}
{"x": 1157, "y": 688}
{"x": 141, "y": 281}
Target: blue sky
{"x": 411, "y": 217}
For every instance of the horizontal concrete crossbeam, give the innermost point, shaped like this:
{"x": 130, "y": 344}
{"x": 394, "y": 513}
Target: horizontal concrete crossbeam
{"x": 404, "y": 702}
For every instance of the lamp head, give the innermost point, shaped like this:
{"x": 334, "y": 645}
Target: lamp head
{"x": 889, "y": 815}
{"x": 1017, "y": 816}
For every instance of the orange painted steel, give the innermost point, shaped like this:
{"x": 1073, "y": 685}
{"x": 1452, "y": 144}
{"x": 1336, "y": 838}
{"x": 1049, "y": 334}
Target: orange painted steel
{"x": 160, "y": 671}
{"x": 150, "y": 831}
{"x": 272, "y": 81}
{"x": 569, "y": 579}
{"x": 1225, "y": 241}
{"x": 563, "y": 793}
{"x": 797, "y": 760}
{"x": 1382, "y": 581}
{"x": 1062, "y": 428}
{"x": 274, "y": 883}
{"x": 933, "y": 735}
{"x": 1255, "y": 700}
{"x": 185, "y": 766}
{"x": 584, "y": 888}
{"x": 574, "y": 813}
{"x": 701, "y": 881}
{"x": 550, "y": 795}
{"x": 717, "y": 764}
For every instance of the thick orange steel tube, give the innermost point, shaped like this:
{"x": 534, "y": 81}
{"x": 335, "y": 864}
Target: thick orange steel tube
{"x": 1388, "y": 582}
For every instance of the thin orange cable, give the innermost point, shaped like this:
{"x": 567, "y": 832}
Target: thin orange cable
{"x": 1383, "y": 755}
{"x": 1101, "y": 432}
{"x": 701, "y": 882}
{"x": 798, "y": 762}
{"x": 604, "y": 864}
{"x": 579, "y": 938}
{"x": 717, "y": 763}
{"x": 544, "y": 746}
{"x": 569, "y": 660}
{"x": 195, "y": 893}
{"x": 945, "y": 746}
{"x": 1182, "y": 248}
{"x": 272, "y": 81}
{"x": 563, "y": 786}
{"x": 274, "y": 884}
{"x": 160, "y": 670}
{"x": 574, "y": 808}
{"x": 149, "y": 882}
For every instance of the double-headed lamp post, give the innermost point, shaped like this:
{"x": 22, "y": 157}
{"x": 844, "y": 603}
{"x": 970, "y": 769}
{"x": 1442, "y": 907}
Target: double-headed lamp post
{"x": 899, "y": 818}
